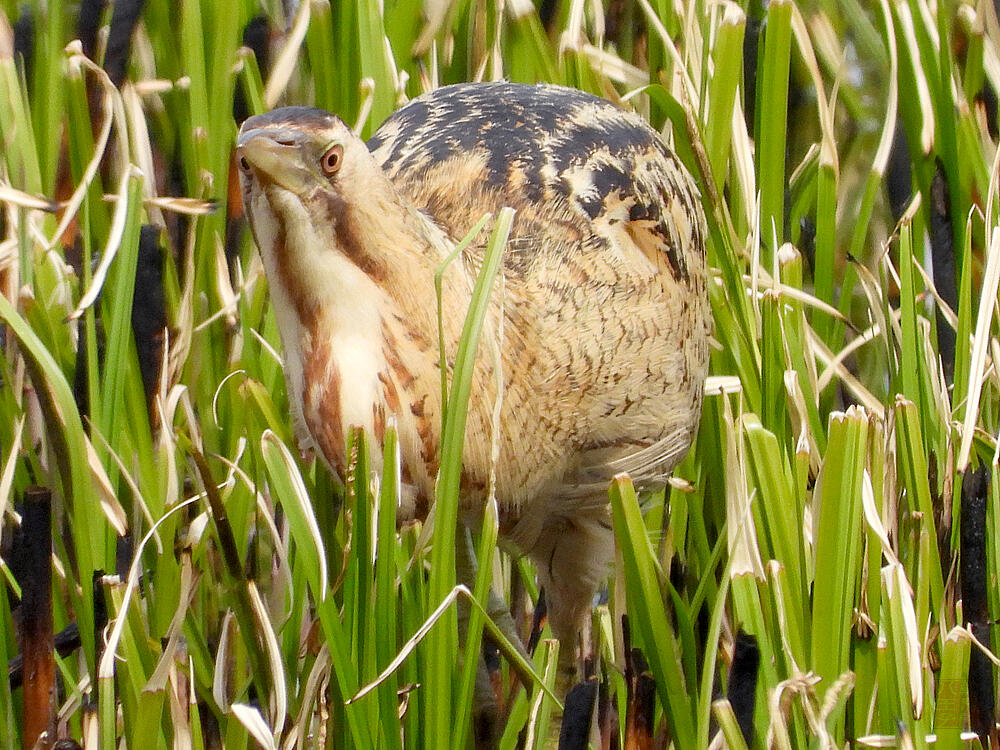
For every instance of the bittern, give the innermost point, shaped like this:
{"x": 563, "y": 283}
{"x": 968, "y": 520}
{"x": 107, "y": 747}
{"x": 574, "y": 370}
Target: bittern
{"x": 599, "y": 336}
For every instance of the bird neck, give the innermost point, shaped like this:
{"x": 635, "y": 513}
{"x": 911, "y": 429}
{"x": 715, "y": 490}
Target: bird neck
{"x": 365, "y": 260}
{"x": 398, "y": 249}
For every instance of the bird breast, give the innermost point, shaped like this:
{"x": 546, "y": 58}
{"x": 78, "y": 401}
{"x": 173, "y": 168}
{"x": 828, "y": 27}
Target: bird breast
{"x": 366, "y": 377}
{"x": 340, "y": 390}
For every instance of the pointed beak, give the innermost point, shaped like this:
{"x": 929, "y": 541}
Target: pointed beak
{"x": 273, "y": 160}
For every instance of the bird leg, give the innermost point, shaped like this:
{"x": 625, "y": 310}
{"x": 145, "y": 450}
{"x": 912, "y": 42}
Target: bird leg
{"x": 485, "y": 709}
{"x": 572, "y": 555}
{"x": 496, "y": 608}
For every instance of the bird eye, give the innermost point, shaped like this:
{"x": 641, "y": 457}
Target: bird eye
{"x": 332, "y": 159}
{"x": 244, "y": 164}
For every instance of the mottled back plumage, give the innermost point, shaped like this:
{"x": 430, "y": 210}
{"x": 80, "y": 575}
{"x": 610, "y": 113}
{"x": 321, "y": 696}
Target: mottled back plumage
{"x": 588, "y": 179}
{"x": 546, "y": 147}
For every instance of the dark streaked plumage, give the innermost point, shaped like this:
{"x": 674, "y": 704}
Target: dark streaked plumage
{"x": 596, "y": 344}
{"x": 534, "y": 144}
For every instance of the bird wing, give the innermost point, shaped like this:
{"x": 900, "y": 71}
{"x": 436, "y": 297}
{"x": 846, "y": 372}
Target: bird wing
{"x": 588, "y": 180}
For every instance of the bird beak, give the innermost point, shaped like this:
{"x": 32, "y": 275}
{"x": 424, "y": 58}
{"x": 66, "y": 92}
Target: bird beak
{"x": 274, "y": 162}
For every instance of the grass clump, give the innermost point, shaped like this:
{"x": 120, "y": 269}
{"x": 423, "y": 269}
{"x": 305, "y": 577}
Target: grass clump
{"x": 831, "y": 512}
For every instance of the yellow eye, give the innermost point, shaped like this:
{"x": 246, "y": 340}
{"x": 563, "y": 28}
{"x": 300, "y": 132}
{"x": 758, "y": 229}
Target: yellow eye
{"x": 332, "y": 160}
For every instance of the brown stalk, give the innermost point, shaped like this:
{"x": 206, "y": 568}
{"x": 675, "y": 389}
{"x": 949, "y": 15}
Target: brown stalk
{"x": 36, "y": 620}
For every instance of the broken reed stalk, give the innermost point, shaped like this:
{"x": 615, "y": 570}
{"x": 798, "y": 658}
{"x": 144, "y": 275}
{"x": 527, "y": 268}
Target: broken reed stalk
{"x": 640, "y": 710}
{"x": 975, "y": 487}
{"x": 942, "y": 241}
{"x": 578, "y": 714}
{"x": 742, "y": 693}
{"x": 36, "y": 620}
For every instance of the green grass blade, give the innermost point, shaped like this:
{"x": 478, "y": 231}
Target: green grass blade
{"x": 838, "y": 549}
{"x": 441, "y": 644}
{"x": 772, "y": 111}
{"x": 650, "y": 619}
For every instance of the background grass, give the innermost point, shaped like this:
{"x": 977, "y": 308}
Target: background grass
{"x": 815, "y": 558}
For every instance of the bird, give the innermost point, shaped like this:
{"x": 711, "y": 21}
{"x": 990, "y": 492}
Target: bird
{"x": 597, "y": 344}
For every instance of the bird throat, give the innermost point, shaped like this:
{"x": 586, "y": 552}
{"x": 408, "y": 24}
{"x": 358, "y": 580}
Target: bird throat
{"x": 356, "y": 339}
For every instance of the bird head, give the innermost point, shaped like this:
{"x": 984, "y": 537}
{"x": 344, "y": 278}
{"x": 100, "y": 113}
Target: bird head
{"x": 317, "y": 203}
{"x": 300, "y": 150}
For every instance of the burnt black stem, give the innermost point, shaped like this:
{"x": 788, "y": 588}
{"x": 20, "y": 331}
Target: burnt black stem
{"x": 37, "y": 640}
{"x": 124, "y": 19}
{"x": 641, "y": 702}
{"x": 578, "y": 713}
{"x": 975, "y": 485}
{"x": 942, "y": 241}
{"x": 742, "y": 693}
{"x": 149, "y": 312}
